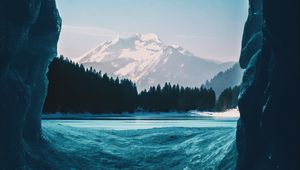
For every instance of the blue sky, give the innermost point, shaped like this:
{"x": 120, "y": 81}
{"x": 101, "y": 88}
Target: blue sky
{"x": 208, "y": 28}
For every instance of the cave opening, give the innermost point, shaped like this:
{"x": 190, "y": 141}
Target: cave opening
{"x": 266, "y": 139}
{"x": 74, "y": 35}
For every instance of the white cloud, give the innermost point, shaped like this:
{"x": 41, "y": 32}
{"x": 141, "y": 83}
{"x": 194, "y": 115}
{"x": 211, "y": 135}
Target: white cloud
{"x": 89, "y": 31}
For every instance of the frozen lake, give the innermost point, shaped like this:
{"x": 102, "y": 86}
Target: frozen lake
{"x": 142, "y": 124}
{"x": 145, "y": 120}
{"x": 138, "y": 141}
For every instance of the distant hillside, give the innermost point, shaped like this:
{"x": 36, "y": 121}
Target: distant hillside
{"x": 229, "y": 78}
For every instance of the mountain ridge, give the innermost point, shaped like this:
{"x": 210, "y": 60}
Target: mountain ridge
{"x": 225, "y": 79}
{"x": 147, "y": 61}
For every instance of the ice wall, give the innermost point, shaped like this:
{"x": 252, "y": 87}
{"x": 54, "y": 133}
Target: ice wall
{"x": 268, "y": 129}
{"x": 29, "y": 32}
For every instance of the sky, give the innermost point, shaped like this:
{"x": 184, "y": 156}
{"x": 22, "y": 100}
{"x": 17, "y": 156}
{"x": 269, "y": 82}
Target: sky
{"x": 210, "y": 29}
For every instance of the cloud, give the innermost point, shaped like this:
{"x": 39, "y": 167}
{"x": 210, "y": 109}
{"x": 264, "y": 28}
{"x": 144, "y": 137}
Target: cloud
{"x": 89, "y": 31}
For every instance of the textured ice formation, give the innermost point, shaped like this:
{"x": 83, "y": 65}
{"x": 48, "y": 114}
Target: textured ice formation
{"x": 268, "y": 129}
{"x": 29, "y": 32}
{"x": 142, "y": 149}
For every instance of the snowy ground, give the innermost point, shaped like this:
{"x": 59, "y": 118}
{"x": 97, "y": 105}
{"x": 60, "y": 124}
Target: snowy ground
{"x": 182, "y": 142}
{"x": 232, "y": 113}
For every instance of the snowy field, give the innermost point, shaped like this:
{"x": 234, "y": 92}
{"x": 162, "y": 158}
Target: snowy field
{"x": 182, "y": 141}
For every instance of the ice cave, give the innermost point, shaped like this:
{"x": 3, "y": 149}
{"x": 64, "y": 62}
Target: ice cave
{"x": 268, "y": 130}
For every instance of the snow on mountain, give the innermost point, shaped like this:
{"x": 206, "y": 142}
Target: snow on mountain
{"x": 147, "y": 61}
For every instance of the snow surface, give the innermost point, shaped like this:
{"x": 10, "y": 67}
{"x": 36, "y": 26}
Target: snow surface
{"x": 232, "y": 113}
{"x": 84, "y": 144}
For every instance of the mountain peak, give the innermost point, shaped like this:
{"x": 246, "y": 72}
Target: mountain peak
{"x": 147, "y": 61}
{"x": 148, "y": 37}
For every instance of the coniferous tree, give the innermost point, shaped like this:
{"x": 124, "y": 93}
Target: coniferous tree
{"x": 72, "y": 88}
{"x": 76, "y": 89}
{"x": 228, "y": 99}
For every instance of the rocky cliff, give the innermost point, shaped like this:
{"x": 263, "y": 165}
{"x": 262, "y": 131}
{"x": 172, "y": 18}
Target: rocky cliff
{"x": 29, "y": 32}
{"x": 268, "y": 130}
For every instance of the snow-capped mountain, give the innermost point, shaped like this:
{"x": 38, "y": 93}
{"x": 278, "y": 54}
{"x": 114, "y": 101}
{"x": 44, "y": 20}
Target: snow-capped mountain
{"x": 147, "y": 61}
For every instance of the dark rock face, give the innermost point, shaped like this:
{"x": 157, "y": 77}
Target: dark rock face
{"x": 29, "y": 32}
{"x": 268, "y": 130}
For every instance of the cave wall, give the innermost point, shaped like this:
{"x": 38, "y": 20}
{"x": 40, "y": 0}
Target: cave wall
{"x": 29, "y": 32}
{"x": 268, "y": 129}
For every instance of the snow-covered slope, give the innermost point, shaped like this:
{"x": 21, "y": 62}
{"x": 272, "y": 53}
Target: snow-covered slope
{"x": 146, "y": 60}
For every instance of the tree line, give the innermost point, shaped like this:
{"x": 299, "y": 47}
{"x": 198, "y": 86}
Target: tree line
{"x": 75, "y": 89}
{"x": 175, "y": 98}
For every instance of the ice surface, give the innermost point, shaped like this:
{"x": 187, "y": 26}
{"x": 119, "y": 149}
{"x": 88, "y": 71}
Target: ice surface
{"x": 127, "y": 123}
{"x": 229, "y": 114}
{"x": 154, "y": 144}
